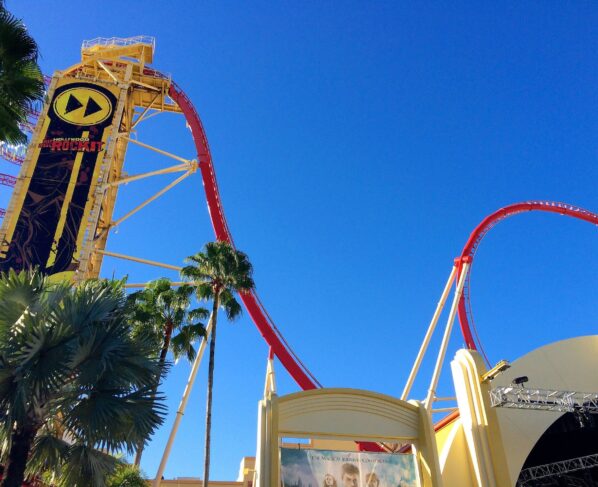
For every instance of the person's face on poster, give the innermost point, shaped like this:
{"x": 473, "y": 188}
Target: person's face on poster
{"x": 350, "y": 480}
{"x": 329, "y": 480}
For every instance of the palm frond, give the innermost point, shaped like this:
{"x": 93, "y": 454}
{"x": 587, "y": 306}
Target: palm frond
{"x": 199, "y": 314}
{"x": 48, "y": 454}
{"x": 68, "y": 358}
{"x": 204, "y": 291}
{"x": 114, "y": 420}
{"x": 15, "y": 42}
{"x": 21, "y": 81}
{"x": 182, "y": 343}
{"x": 127, "y": 476}
{"x": 231, "y": 306}
{"x": 87, "y": 466}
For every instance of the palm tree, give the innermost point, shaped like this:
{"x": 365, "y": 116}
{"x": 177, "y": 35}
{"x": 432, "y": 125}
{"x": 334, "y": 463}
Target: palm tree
{"x": 74, "y": 386}
{"x": 217, "y": 273}
{"x": 162, "y": 315}
{"x": 21, "y": 81}
{"x": 126, "y": 476}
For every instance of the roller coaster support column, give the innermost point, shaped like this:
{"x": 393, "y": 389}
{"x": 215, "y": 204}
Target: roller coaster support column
{"x": 462, "y": 265}
{"x": 181, "y": 411}
{"x": 270, "y": 385}
{"x": 424, "y": 347}
{"x": 479, "y": 420}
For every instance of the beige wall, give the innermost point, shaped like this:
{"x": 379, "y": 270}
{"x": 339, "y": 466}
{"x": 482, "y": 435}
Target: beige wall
{"x": 465, "y": 460}
{"x": 321, "y": 444}
{"x": 197, "y": 483}
{"x": 244, "y": 479}
{"x": 567, "y": 365}
{"x": 455, "y": 461}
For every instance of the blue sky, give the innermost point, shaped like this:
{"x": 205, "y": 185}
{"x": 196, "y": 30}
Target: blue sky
{"x": 356, "y": 145}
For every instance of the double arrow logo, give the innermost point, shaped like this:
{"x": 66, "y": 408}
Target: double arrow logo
{"x": 73, "y": 104}
{"x": 82, "y": 106}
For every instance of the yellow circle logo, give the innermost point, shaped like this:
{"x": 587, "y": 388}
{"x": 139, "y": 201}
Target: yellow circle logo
{"x": 82, "y": 106}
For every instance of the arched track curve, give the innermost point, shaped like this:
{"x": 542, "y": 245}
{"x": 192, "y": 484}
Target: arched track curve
{"x": 256, "y": 310}
{"x": 266, "y": 326}
{"x": 482, "y": 229}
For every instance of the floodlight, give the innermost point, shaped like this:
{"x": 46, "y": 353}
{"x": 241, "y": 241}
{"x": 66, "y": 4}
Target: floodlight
{"x": 519, "y": 381}
{"x": 494, "y": 371}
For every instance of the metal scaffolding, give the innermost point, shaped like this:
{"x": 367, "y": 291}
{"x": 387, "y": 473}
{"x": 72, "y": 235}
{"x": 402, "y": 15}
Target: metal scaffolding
{"x": 544, "y": 400}
{"x": 13, "y": 153}
{"x": 7, "y": 180}
{"x": 556, "y": 469}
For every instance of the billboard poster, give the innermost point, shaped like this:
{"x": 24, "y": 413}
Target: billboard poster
{"x": 47, "y": 226}
{"x": 326, "y": 468}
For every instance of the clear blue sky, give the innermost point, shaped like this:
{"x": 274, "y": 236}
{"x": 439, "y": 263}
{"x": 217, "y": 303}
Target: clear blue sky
{"x": 356, "y": 146}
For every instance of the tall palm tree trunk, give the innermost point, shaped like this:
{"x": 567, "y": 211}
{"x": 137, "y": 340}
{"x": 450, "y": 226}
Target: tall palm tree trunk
{"x": 206, "y": 467}
{"x": 167, "y": 337}
{"x": 21, "y": 441}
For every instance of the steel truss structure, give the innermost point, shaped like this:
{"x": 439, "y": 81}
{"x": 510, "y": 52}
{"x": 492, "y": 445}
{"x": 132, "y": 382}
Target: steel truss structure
{"x": 544, "y": 400}
{"x": 14, "y": 154}
{"x": 557, "y": 469}
{"x": 144, "y": 92}
{"x": 7, "y": 180}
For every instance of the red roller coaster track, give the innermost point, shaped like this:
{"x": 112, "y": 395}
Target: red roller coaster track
{"x": 7, "y": 180}
{"x": 266, "y": 326}
{"x": 14, "y": 154}
{"x": 256, "y": 310}
{"x": 482, "y": 229}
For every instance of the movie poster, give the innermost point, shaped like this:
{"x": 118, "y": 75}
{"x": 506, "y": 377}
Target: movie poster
{"x": 324, "y": 468}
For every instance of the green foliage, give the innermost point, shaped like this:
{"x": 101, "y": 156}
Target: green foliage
{"x": 21, "y": 81}
{"x": 161, "y": 314}
{"x": 217, "y": 273}
{"x": 220, "y": 271}
{"x": 126, "y": 476}
{"x": 71, "y": 374}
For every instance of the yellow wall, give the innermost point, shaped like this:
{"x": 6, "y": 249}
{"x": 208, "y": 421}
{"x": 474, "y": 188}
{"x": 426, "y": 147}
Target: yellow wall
{"x": 470, "y": 449}
{"x": 455, "y": 462}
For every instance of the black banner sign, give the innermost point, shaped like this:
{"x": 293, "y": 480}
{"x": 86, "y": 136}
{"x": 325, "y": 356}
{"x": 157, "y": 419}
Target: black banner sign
{"x": 47, "y": 227}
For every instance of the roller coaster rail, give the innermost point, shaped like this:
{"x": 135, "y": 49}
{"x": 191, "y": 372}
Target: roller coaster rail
{"x": 260, "y": 317}
{"x": 460, "y": 274}
{"x": 14, "y": 154}
{"x": 470, "y": 248}
{"x": 119, "y": 41}
{"x": 265, "y": 324}
{"x": 7, "y": 180}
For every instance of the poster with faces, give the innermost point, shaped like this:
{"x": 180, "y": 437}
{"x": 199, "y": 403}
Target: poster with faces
{"x": 325, "y": 468}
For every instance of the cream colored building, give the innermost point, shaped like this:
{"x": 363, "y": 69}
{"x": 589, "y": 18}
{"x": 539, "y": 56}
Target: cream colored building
{"x": 477, "y": 446}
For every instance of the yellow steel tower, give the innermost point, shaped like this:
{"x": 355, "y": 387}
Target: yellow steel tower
{"x": 62, "y": 207}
